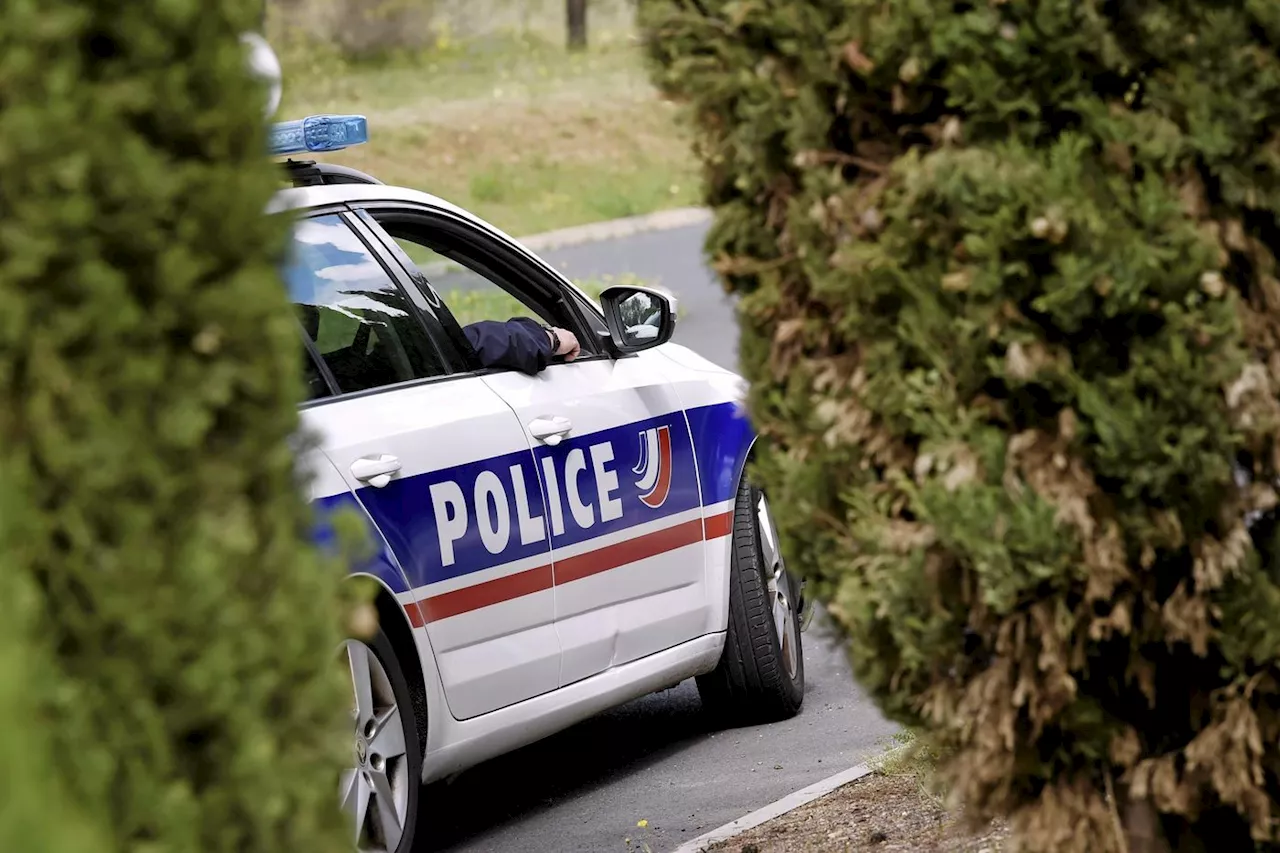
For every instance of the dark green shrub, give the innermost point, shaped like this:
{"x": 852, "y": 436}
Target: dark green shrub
{"x": 148, "y": 383}
{"x": 1009, "y": 309}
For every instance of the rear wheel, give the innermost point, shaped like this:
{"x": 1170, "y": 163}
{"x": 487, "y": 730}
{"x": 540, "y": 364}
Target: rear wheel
{"x": 380, "y": 790}
{"x": 760, "y": 675}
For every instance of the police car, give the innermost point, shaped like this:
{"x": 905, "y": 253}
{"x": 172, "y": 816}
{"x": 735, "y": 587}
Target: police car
{"x": 548, "y": 546}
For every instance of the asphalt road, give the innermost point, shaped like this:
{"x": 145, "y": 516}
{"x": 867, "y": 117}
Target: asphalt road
{"x": 673, "y": 259}
{"x": 657, "y": 759}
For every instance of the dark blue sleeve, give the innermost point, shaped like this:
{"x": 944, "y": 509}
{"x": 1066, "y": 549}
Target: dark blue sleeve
{"x": 517, "y": 344}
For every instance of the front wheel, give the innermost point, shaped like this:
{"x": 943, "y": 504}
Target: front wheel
{"x": 760, "y": 676}
{"x": 380, "y": 791}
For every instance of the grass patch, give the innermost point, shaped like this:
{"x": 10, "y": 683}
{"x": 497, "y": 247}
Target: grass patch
{"x": 471, "y": 305}
{"x": 516, "y": 130}
{"x": 594, "y": 286}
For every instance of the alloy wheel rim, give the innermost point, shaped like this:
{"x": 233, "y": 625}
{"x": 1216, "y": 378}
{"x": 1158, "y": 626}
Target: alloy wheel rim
{"x": 779, "y": 588}
{"x": 374, "y": 790}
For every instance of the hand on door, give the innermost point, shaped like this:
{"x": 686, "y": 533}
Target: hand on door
{"x": 565, "y": 343}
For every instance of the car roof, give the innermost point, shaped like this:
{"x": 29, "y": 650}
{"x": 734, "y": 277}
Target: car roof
{"x": 299, "y": 199}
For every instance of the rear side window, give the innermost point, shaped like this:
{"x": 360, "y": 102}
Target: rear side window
{"x": 361, "y": 323}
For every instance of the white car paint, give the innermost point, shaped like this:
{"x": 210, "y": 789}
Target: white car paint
{"x": 611, "y": 617}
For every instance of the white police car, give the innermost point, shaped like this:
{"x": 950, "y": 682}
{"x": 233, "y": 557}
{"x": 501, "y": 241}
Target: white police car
{"x": 548, "y": 546}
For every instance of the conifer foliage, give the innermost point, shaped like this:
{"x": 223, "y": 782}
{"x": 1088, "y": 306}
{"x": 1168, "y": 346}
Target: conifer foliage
{"x": 181, "y": 686}
{"x": 1011, "y": 313}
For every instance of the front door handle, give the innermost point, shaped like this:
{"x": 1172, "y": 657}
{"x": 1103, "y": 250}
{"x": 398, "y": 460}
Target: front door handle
{"x": 550, "y": 430}
{"x": 375, "y": 470}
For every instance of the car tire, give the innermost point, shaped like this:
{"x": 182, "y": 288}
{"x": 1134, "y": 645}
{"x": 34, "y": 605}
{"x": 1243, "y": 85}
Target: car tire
{"x": 385, "y": 778}
{"x": 760, "y": 676}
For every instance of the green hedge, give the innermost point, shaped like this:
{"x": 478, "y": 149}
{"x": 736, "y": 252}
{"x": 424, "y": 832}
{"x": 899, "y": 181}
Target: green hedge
{"x": 1009, "y": 301}
{"x": 190, "y": 697}
{"x": 35, "y": 814}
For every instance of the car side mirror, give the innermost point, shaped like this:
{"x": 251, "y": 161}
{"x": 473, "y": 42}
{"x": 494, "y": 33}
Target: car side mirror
{"x": 639, "y": 318}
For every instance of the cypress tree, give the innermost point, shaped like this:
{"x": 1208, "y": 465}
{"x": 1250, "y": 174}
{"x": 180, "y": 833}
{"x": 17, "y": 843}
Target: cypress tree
{"x": 149, "y": 380}
{"x": 1009, "y": 308}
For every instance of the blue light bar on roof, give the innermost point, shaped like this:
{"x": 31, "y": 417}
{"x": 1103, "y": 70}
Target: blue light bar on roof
{"x": 317, "y": 134}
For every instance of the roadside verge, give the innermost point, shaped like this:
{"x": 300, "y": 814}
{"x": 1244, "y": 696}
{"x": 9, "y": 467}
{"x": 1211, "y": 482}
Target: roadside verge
{"x": 776, "y": 809}
{"x": 890, "y": 804}
{"x": 662, "y": 220}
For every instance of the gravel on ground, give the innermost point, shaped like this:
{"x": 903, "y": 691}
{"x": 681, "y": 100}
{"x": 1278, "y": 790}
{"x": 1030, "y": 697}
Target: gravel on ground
{"x": 883, "y": 813}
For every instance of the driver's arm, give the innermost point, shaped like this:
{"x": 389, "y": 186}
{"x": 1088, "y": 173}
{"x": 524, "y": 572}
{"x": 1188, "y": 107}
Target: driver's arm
{"x": 519, "y": 344}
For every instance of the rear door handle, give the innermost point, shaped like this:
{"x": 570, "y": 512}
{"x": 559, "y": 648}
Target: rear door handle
{"x": 375, "y": 470}
{"x": 550, "y": 430}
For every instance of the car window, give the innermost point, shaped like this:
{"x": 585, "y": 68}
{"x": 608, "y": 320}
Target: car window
{"x": 469, "y": 295}
{"x": 317, "y": 385}
{"x": 360, "y": 322}
{"x": 591, "y": 311}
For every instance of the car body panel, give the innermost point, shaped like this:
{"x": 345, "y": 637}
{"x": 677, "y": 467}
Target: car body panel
{"x": 628, "y": 557}
{"x": 722, "y": 434}
{"x": 453, "y": 439}
{"x": 457, "y": 745}
{"x": 330, "y": 497}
